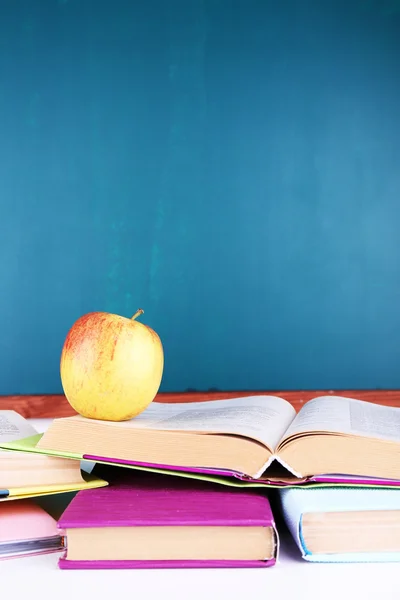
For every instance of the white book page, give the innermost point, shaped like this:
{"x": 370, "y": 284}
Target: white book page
{"x": 345, "y": 415}
{"x": 13, "y": 427}
{"x": 262, "y": 418}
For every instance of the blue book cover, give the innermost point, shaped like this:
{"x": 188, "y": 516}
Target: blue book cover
{"x": 344, "y": 524}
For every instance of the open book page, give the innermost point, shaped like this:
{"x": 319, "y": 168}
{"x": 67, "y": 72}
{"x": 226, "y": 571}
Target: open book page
{"x": 13, "y": 427}
{"x": 345, "y": 415}
{"x": 262, "y": 418}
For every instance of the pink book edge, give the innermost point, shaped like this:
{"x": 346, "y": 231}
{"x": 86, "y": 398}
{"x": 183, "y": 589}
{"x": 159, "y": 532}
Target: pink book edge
{"x": 25, "y": 520}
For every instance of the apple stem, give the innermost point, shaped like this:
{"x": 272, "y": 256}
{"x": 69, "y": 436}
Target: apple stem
{"x": 140, "y": 311}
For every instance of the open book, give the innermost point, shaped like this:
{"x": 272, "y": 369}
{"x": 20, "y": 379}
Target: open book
{"x": 257, "y": 438}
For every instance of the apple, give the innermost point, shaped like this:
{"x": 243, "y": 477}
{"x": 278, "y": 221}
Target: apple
{"x": 111, "y": 366}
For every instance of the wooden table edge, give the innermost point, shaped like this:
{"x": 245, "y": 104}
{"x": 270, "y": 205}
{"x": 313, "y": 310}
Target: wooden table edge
{"x": 56, "y": 405}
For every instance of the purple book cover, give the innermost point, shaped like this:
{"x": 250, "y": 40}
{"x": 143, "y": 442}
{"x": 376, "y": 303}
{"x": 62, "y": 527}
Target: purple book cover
{"x": 327, "y": 479}
{"x": 134, "y": 500}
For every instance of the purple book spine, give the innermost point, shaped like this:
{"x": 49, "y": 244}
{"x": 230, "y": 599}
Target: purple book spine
{"x": 164, "y": 564}
{"x": 330, "y": 479}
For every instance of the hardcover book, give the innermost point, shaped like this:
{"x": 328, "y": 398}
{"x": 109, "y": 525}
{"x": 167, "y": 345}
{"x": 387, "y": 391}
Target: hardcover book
{"x": 154, "y": 521}
{"x": 258, "y": 440}
{"x": 344, "y": 524}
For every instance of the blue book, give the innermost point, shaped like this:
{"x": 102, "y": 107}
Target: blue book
{"x": 335, "y": 524}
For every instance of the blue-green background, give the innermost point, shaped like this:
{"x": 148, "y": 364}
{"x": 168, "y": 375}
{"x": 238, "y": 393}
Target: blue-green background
{"x": 231, "y": 166}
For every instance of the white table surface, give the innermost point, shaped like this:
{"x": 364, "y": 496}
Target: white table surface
{"x": 40, "y": 578}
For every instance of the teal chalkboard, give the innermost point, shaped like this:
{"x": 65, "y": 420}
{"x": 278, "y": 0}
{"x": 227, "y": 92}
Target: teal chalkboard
{"x": 230, "y": 166}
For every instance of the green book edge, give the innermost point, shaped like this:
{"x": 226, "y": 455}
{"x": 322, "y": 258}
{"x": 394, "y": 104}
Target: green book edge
{"x": 29, "y": 445}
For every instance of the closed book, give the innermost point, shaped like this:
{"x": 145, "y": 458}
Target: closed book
{"x": 27, "y": 529}
{"x": 344, "y": 524}
{"x": 156, "y": 521}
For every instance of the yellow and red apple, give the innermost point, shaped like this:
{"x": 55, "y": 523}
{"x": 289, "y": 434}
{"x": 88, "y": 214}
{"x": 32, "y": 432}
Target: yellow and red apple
{"x": 111, "y": 366}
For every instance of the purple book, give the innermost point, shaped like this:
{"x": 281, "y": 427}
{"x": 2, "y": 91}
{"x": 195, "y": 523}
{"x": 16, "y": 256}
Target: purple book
{"x": 142, "y": 521}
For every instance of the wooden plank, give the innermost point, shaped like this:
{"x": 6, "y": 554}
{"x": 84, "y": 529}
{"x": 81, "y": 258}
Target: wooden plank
{"x": 37, "y": 406}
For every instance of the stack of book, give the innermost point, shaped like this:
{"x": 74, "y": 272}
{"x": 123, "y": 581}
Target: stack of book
{"x": 26, "y": 527}
{"x": 189, "y": 483}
